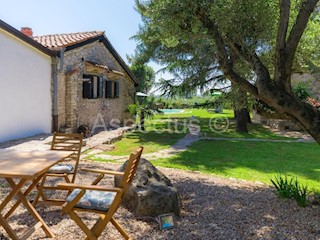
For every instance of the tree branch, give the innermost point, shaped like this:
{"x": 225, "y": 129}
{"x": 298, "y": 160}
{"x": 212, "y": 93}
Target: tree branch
{"x": 263, "y": 76}
{"x": 307, "y": 7}
{"x": 224, "y": 59}
{"x": 280, "y": 52}
{"x": 215, "y": 78}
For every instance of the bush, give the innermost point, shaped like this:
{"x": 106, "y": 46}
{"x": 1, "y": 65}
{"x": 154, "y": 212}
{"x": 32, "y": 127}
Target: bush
{"x": 291, "y": 188}
{"x": 300, "y": 193}
{"x": 283, "y": 186}
{"x": 301, "y": 90}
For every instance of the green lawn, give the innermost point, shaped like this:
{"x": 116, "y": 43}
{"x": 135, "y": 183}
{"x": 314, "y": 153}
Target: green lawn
{"x": 213, "y": 125}
{"x": 253, "y": 161}
{"x": 152, "y": 141}
{"x": 166, "y": 129}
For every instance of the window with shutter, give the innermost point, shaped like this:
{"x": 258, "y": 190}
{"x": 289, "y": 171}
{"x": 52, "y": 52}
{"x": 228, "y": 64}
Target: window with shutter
{"x": 95, "y": 87}
{"x": 100, "y": 87}
{"x": 116, "y": 89}
{"x": 86, "y": 89}
{"x": 92, "y": 86}
{"x": 109, "y": 89}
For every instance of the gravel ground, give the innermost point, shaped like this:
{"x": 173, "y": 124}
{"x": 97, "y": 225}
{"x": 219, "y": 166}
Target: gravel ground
{"x": 212, "y": 208}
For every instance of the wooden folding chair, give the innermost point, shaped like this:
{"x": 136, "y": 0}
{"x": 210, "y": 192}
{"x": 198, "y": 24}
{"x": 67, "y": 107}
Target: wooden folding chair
{"x": 65, "y": 170}
{"x": 99, "y": 199}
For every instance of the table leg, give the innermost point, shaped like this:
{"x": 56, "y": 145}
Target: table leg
{"x": 8, "y": 229}
{"x": 29, "y": 206}
{"x": 34, "y": 183}
{"x": 3, "y": 220}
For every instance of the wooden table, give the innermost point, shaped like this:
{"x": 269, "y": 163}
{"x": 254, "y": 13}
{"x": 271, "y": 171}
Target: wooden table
{"x": 25, "y": 167}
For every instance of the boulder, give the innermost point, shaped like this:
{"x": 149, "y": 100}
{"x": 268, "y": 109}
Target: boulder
{"x": 151, "y": 192}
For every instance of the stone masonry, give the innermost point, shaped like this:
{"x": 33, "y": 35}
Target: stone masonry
{"x": 74, "y": 110}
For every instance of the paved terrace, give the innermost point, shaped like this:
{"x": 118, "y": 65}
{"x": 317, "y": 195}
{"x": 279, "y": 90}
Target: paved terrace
{"x": 43, "y": 141}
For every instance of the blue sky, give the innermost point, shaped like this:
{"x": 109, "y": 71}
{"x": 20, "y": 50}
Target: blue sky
{"x": 117, "y": 18}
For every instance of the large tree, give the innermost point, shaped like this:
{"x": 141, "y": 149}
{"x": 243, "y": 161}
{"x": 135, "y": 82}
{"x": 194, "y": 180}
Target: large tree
{"x": 210, "y": 37}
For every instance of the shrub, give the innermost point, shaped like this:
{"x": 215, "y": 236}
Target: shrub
{"x": 283, "y": 186}
{"x": 302, "y": 91}
{"x": 300, "y": 193}
{"x": 291, "y": 188}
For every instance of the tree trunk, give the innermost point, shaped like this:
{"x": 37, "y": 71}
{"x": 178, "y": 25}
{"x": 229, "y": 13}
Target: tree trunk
{"x": 292, "y": 107}
{"x": 142, "y": 121}
{"x": 242, "y": 120}
{"x": 241, "y": 113}
{"x": 274, "y": 92}
{"x": 248, "y": 117}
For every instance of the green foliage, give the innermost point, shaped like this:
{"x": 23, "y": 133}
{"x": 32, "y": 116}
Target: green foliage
{"x": 301, "y": 90}
{"x": 191, "y": 39}
{"x": 300, "y": 193}
{"x": 283, "y": 185}
{"x": 173, "y": 34}
{"x": 145, "y": 75}
{"x": 133, "y": 109}
{"x": 194, "y": 102}
{"x": 308, "y": 54}
{"x": 176, "y": 39}
{"x": 290, "y": 188}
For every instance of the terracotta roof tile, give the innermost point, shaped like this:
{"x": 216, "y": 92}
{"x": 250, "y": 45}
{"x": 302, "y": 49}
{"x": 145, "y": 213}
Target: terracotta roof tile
{"x": 56, "y": 41}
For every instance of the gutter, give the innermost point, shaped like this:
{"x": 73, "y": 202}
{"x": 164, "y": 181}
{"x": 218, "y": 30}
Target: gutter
{"x": 25, "y": 38}
{"x": 55, "y": 113}
{"x": 54, "y": 65}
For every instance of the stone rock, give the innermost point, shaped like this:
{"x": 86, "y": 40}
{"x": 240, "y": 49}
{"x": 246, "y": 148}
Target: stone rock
{"x": 151, "y": 192}
{"x": 105, "y": 147}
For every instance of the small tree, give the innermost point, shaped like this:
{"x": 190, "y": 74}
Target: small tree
{"x": 144, "y": 73}
{"x": 144, "y": 109}
{"x": 302, "y": 91}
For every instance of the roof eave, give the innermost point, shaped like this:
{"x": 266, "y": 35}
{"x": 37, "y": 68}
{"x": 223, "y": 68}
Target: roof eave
{"x": 109, "y": 46}
{"x": 26, "y": 39}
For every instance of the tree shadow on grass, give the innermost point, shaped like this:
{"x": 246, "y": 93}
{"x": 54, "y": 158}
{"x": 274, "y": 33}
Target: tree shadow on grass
{"x": 216, "y": 126}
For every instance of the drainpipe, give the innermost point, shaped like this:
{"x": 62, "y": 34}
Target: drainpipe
{"x": 55, "y": 61}
{"x": 55, "y": 114}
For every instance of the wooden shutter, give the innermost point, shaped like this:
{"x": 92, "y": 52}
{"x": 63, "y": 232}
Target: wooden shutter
{"x": 95, "y": 87}
{"x": 116, "y": 89}
{"x": 100, "y": 87}
{"x": 86, "y": 89}
{"x": 109, "y": 89}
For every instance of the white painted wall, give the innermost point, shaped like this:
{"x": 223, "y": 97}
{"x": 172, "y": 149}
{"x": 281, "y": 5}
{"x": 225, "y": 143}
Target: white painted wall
{"x": 25, "y": 85}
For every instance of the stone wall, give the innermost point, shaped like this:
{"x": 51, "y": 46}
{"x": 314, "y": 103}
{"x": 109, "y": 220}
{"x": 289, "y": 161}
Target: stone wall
{"x": 74, "y": 110}
{"x": 280, "y": 124}
{"x": 311, "y": 80}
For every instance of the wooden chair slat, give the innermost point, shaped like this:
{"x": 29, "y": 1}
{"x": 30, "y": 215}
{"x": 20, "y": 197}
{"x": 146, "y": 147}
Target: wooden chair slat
{"x": 104, "y": 216}
{"x": 61, "y": 142}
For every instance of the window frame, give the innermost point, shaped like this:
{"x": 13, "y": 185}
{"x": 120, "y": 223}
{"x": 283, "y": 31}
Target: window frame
{"x": 96, "y": 86}
{"x": 112, "y": 89}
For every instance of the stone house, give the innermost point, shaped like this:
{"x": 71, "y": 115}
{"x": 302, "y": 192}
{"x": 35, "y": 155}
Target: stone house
{"x": 25, "y": 85}
{"x": 92, "y": 85}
